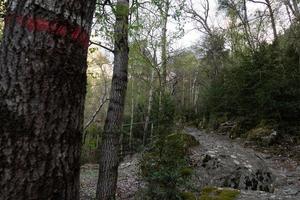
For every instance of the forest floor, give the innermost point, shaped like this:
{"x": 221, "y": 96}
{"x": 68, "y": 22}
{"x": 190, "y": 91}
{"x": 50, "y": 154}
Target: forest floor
{"x": 128, "y": 181}
{"x": 285, "y": 170}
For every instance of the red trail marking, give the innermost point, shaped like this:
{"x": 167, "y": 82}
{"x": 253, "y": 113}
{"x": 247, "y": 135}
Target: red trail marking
{"x": 62, "y": 29}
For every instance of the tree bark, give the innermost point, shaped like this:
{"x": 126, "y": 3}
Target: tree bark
{"x": 42, "y": 90}
{"x": 109, "y": 160}
{"x": 149, "y": 109}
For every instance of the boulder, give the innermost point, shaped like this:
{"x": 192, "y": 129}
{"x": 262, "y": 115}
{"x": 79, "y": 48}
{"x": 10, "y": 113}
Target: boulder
{"x": 262, "y": 135}
{"x": 223, "y": 170}
{"x": 221, "y": 163}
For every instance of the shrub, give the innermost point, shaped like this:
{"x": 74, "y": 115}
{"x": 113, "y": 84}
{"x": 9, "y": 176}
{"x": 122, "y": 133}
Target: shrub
{"x": 165, "y": 167}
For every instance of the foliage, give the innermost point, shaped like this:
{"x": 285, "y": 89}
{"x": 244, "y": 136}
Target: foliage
{"x": 165, "y": 167}
{"x": 258, "y": 86}
{"x": 90, "y": 147}
{"x": 188, "y": 196}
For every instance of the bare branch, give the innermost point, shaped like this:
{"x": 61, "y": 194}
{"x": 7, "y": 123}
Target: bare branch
{"x": 102, "y": 46}
{"x": 95, "y": 114}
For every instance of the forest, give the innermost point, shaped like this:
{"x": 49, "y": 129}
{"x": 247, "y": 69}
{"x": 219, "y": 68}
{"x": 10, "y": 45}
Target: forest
{"x": 150, "y": 100}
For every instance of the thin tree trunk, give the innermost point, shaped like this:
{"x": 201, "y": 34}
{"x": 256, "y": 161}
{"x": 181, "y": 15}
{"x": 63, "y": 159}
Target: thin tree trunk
{"x": 109, "y": 159}
{"x": 165, "y": 15}
{"x": 152, "y": 131}
{"x": 131, "y": 117}
{"x": 288, "y": 12}
{"x": 194, "y": 90}
{"x": 183, "y": 93}
{"x": 149, "y": 109}
{"x": 42, "y": 91}
{"x": 293, "y": 6}
{"x": 272, "y": 18}
{"x": 246, "y": 25}
{"x": 296, "y": 9}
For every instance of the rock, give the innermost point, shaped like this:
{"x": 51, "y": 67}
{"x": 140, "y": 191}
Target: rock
{"x": 226, "y": 127}
{"x": 264, "y": 136}
{"x": 229, "y": 171}
{"x": 292, "y": 191}
{"x": 269, "y": 139}
{"x": 225, "y": 164}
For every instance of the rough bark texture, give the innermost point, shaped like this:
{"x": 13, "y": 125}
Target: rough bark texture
{"x": 109, "y": 160}
{"x": 42, "y": 90}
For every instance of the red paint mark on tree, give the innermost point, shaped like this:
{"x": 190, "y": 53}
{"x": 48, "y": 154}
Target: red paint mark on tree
{"x": 62, "y": 29}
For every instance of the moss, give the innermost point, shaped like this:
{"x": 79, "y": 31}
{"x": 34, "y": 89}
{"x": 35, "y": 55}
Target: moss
{"x": 122, "y": 9}
{"x": 186, "y": 139}
{"x": 235, "y": 132}
{"x": 186, "y": 171}
{"x": 257, "y": 133}
{"x": 212, "y": 193}
{"x": 188, "y": 196}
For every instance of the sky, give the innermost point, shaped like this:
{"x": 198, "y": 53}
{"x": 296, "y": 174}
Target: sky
{"x": 192, "y": 36}
{"x": 216, "y": 19}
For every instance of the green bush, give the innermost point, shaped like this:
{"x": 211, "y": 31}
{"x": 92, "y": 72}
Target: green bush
{"x": 165, "y": 167}
{"x": 263, "y": 85}
{"x": 90, "y": 147}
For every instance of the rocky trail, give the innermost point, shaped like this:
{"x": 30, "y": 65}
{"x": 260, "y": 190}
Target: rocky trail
{"x": 221, "y": 162}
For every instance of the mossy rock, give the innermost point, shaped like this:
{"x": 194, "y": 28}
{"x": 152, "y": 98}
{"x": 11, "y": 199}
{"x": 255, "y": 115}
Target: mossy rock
{"x": 213, "y": 193}
{"x": 188, "y": 196}
{"x": 257, "y": 134}
{"x": 186, "y": 139}
{"x": 235, "y": 132}
{"x": 187, "y": 171}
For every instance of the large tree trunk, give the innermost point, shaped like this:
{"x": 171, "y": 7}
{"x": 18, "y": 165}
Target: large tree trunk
{"x": 109, "y": 160}
{"x": 42, "y": 91}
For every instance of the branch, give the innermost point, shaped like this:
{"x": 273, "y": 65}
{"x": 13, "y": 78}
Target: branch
{"x": 103, "y": 100}
{"x": 260, "y": 2}
{"x": 95, "y": 114}
{"x": 102, "y": 46}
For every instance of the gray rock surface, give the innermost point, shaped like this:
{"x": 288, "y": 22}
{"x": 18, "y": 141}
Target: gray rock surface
{"x": 222, "y": 162}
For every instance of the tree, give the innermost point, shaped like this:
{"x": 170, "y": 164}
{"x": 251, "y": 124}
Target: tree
{"x": 2, "y": 11}
{"x": 268, "y": 4}
{"x": 109, "y": 159}
{"x": 293, "y": 6}
{"x": 239, "y": 8}
{"x": 42, "y": 90}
